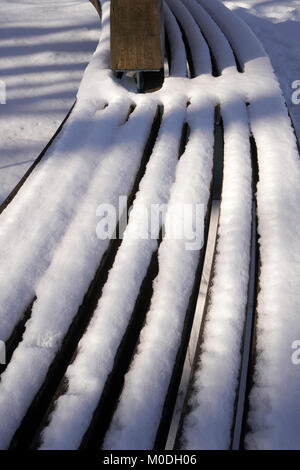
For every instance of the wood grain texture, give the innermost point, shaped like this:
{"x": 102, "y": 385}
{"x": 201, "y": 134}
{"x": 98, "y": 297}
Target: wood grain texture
{"x": 136, "y": 35}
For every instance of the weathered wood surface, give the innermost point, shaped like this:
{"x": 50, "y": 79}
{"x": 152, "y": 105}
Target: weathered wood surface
{"x": 136, "y": 35}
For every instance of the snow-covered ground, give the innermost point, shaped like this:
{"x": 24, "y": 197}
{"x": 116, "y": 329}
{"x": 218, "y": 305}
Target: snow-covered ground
{"x": 277, "y": 24}
{"x": 45, "y": 47}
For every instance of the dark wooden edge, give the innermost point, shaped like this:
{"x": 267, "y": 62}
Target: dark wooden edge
{"x": 97, "y": 5}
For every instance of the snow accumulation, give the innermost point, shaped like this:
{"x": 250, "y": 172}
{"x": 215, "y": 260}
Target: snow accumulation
{"x": 160, "y": 339}
{"x": 216, "y": 378}
{"x": 116, "y": 304}
{"x": 198, "y": 47}
{"x": 48, "y": 252}
{"x": 277, "y": 24}
{"x": 45, "y": 47}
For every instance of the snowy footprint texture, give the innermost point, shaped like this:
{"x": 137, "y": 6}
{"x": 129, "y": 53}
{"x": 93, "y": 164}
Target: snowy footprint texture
{"x": 98, "y": 331}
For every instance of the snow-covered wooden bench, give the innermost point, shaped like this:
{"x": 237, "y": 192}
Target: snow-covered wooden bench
{"x": 119, "y": 326}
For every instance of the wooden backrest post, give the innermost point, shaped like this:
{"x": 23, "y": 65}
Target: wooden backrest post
{"x": 137, "y": 35}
